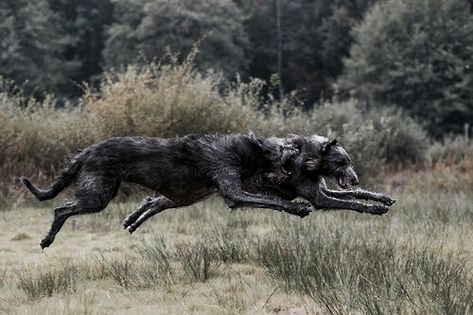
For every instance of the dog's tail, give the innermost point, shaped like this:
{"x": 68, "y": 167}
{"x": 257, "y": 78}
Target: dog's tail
{"x": 68, "y": 174}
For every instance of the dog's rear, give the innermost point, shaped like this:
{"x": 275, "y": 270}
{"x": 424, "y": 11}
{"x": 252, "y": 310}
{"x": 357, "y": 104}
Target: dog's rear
{"x": 68, "y": 174}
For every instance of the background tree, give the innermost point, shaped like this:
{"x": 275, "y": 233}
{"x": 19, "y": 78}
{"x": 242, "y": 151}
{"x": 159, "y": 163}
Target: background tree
{"x": 417, "y": 55}
{"x": 84, "y": 23}
{"x": 178, "y": 25}
{"x": 315, "y": 38}
{"x": 32, "y": 47}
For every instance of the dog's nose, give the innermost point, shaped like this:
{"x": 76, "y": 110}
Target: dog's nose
{"x": 355, "y": 181}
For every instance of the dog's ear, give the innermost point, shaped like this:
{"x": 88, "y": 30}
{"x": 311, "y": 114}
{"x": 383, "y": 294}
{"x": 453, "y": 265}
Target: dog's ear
{"x": 326, "y": 146}
{"x": 255, "y": 139}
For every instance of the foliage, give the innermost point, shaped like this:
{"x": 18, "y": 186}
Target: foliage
{"x": 451, "y": 149}
{"x": 83, "y": 23}
{"x": 32, "y": 46}
{"x": 315, "y": 37}
{"x": 78, "y": 39}
{"x": 158, "y": 26}
{"x": 417, "y": 55}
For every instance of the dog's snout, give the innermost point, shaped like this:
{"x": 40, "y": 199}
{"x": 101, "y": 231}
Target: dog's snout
{"x": 354, "y": 180}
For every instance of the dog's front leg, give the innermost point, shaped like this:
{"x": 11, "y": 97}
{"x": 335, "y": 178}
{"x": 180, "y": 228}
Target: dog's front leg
{"x": 323, "y": 201}
{"x": 315, "y": 193}
{"x": 357, "y": 194}
{"x": 229, "y": 185}
{"x": 145, "y": 204}
{"x": 153, "y": 206}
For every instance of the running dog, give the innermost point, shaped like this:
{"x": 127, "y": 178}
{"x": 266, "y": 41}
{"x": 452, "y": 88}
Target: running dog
{"x": 186, "y": 170}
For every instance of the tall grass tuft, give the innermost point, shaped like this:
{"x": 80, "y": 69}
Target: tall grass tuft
{"x": 350, "y": 275}
{"x": 197, "y": 261}
{"x": 120, "y": 270}
{"x": 60, "y": 279}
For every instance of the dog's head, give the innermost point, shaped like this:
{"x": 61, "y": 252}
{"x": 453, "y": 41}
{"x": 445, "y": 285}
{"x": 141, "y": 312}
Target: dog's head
{"x": 319, "y": 156}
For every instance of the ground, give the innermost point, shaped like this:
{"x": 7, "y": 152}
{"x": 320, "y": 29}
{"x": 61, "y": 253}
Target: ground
{"x": 207, "y": 259}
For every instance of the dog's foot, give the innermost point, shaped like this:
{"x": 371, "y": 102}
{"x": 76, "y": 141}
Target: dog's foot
{"x": 385, "y": 199}
{"x": 46, "y": 241}
{"x": 132, "y": 228}
{"x": 131, "y": 218}
{"x": 303, "y": 209}
{"x": 377, "y": 209}
{"x": 128, "y": 221}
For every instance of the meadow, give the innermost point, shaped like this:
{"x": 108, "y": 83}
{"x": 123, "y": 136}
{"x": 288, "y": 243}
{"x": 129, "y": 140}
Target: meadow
{"x": 206, "y": 259}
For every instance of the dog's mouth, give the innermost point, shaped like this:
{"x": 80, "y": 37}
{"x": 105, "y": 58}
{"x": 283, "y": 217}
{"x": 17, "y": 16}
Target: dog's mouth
{"x": 342, "y": 183}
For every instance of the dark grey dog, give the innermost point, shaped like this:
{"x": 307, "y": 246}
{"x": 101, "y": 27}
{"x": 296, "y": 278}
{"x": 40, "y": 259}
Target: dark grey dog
{"x": 185, "y": 170}
{"x": 297, "y": 171}
{"x": 304, "y": 164}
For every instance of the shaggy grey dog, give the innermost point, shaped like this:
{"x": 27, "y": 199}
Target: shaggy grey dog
{"x": 242, "y": 168}
{"x": 304, "y": 163}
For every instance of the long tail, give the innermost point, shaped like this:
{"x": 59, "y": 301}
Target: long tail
{"x": 68, "y": 174}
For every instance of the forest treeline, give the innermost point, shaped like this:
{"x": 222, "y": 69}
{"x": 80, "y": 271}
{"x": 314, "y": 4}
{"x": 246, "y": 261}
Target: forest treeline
{"x": 416, "y": 55}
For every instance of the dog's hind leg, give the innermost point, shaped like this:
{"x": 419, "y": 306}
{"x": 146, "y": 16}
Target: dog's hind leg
{"x": 93, "y": 195}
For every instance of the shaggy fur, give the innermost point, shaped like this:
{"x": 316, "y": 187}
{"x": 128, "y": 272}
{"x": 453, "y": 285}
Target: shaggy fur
{"x": 310, "y": 160}
{"x": 182, "y": 171}
{"x": 248, "y": 171}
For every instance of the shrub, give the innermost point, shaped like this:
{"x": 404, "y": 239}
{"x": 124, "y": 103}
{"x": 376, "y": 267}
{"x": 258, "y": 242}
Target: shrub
{"x": 166, "y": 101}
{"x": 451, "y": 149}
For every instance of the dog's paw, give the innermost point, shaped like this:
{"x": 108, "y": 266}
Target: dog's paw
{"x": 127, "y": 222}
{"x": 378, "y": 209}
{"x": 46, "y": 241}
{"x": 303, "y": 209}
{"x": 132, "y": 228}
{"x": 385, "y": 199}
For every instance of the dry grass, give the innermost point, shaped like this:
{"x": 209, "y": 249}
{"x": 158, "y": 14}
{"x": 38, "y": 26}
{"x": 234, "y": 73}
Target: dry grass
{"x": 207, "y": 260}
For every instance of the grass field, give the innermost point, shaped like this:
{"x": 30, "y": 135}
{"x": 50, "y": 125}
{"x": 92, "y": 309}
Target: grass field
{"x": 206, "y": 259}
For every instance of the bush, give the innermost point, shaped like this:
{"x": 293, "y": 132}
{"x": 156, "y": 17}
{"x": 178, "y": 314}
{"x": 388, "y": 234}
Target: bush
{"x": 167, "y": 101}
{"x": 451, "y": 149}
